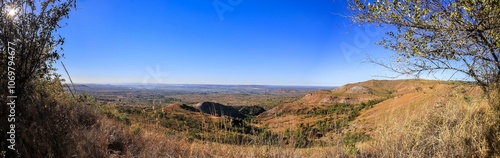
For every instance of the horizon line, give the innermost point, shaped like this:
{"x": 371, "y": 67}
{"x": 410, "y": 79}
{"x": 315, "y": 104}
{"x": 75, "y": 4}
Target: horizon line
{"x": 215, "y": 84}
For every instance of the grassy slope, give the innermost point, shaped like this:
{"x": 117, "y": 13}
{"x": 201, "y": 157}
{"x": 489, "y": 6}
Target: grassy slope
{"x": 290, "y": 114}
{"x": 444, "y": 120}
{"x": 409, "y": 109}
{"x": 430, "y": 95}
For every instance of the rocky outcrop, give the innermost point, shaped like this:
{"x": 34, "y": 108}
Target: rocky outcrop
{"x": 329, "y": 100}
{"x": 360, "y": 90}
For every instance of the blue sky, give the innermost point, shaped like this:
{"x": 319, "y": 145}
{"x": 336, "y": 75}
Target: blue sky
{"x": 238, "y": 42}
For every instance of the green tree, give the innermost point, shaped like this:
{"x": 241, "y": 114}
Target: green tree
{"x": 29, "y": 28}
{"x": 433, "y": 35}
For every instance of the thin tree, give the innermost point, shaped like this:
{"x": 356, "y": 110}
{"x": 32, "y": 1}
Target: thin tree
{"x": 29, "y": 46}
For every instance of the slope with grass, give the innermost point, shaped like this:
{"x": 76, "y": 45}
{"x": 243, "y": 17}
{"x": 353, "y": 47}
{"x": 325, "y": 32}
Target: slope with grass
{"x": 351, "y": 95}
{"x": 430, "y": 95}
{"x": 442, "y": 120}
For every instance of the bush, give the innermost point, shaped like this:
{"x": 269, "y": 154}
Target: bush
{"x": 51, "y": 122}
{"x": 350, "y": 140}
{"x": 124, "y": 118}
{"x": 300, "y": 136}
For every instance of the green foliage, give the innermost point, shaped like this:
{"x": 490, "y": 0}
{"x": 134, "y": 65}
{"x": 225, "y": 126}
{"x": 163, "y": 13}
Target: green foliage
{"x": 124, "y": 118}
{"x": 339, "y": 116}
{"x": 350, "y": 140}
{"x": 180, "y": 122}
{"x": 300, "y": 136}
{"x": 371, "y": 103}
{"x": 128, "y": 110}
{"x": 331, "y": 124}
{"x": 116, "y": 113}
{"x": 251, "y": 110}
{"x": 136, "y": 129}
{"x": 265, "y": 135}
{"x": 347, "y": 109}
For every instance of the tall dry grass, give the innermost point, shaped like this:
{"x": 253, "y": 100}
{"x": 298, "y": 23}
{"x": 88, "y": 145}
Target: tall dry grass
{"x": 110, "y": 138}
{"x": 455, "y": 129}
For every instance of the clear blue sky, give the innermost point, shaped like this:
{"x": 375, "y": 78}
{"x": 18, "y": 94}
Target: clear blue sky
{"x": 279, "y": 42}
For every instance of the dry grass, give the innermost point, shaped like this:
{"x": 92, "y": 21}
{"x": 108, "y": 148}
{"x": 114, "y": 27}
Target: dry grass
{"x": 111, "y": 139}
{"x": 456, "y": 129}
{"x": 106, "y": 137}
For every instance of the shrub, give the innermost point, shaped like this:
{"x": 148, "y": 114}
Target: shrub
{"x": 350, "y": 139}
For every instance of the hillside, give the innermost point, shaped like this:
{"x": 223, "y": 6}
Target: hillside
{"x": 395, "y": 95}
{"x": 425, "y": 96}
